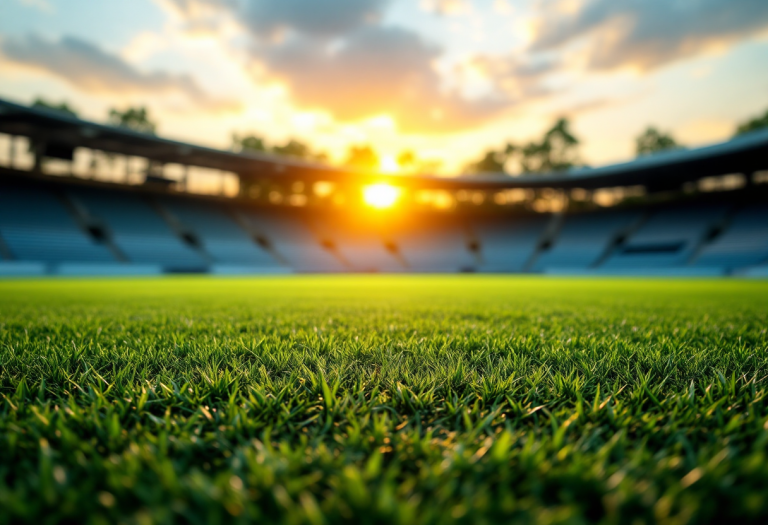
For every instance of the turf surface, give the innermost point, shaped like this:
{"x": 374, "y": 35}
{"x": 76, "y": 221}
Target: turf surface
{"x": 383, "y": 400}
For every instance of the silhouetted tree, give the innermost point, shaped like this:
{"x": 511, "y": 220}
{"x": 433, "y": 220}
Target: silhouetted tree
{"x": 248, "y": 143}
{"x": 491, "y": 162}
{"x": 652, "y": 141}
{"x": 753, "y": 124}
{"x": 557, "y": 151}
{"x": 362, "y": 157}
{"x": 136, "y": 119}
{"x": 409, "y": 162}
{"x": 61, "y": 106}
{"x": 293, "y": 148}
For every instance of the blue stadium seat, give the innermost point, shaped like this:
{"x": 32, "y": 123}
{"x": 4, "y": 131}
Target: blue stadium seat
{"x": 221, "y": 236}
{"x": 294, "y": 241}
{"x": 668, "y": 238}
{"x": 138, "y": 230}
{"x": 361, "y": 248}
{"x": 368, "y": 254}
{"x": 583, "y": 239}
{"x": 36, "y": 226}
{"x": 435, "y": 248}
{"x": 743, "y": 243}
{"x": 508, "y": 246}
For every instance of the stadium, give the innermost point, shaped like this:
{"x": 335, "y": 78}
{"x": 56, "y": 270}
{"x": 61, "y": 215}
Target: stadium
{"x": 80, "y": 198}
{"x": 455, "y": 323}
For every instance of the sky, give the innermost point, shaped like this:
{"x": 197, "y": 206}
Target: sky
{"x": 446, "y": 79}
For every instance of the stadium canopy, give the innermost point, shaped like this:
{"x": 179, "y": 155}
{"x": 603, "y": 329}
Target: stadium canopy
{"x": 56, "y": 134}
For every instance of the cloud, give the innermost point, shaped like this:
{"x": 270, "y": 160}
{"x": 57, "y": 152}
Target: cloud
{"x": 647, "y": 34}
{"x": 89, "y": 68}
{"x": 200, "y": 18}
{"x": 447, "y": 7}
{"x": 320, "y": 18}
{"x": 375, "y": 71}
{"x": 517, "y": 78}
{"x": 340, "y": 57}
{"x": 271, "y": 18}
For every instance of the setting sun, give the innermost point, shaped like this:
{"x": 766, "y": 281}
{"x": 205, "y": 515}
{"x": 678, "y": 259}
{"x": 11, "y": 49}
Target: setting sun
{"x": 380, "y": 195}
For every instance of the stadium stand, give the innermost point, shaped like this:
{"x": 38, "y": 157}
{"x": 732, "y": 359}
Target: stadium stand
{"x": 217, "y": 232}
{"x": 668, "y": 238}
{"x": 686, "y": 212}
{"x": 140, "y": 232}
{"x": 365, "y": 253}
{"x": 293, "y": 242}
{"x": 509, "y": 246}
{"x": 742, "y": 243}
{"x": 121, "y": 229}
{"x": 360, "y": 247}
{"x": 435, "y": 248}
{"x": 584, "y": 239}
{"x": 36, "y": 226}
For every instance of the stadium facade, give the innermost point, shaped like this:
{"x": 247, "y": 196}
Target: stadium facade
{"x": 80, "y": 198}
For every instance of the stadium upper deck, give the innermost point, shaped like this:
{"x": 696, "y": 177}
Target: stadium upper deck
{"x": 78, "y": 197}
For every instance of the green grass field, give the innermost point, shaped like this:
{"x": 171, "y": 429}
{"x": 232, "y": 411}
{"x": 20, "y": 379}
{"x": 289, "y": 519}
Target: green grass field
{"x": 383, "y": 400}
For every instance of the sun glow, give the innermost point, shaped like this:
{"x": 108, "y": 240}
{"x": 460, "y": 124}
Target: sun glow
{"x": 388, "y": 164}
{"x": 380, "y": 195}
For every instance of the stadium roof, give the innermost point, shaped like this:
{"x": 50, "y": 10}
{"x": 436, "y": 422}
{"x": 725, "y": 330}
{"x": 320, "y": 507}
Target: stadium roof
{"x": 48, "y": 125}
{"x": 744, "y": 154}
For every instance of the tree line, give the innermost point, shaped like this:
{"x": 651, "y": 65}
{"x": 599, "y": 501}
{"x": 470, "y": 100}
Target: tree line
{"x": 134, "y": 118}
{"x": 556, "y": 151}
{"x": 358, "y": 156}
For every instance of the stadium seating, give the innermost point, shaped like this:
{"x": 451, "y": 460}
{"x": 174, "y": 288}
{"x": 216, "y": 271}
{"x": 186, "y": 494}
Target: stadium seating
{"x": 361, "y": 249}
{"x": 583, "y": 239}
{"x": 760, "y": 271}
{"x": 511, "y": 245}
{"x": 668, "y": 239}
{"x": 742, "y": 243}
{"x": 293, "y": 242}
{"x": 139, "y": 231}
{"x": 36, "y": 226}
{"x": 364, "y": 253}
{"x": 434, "y": 248}
{"x": 50, "y": 230}
{"x": 219, "y": 234}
